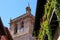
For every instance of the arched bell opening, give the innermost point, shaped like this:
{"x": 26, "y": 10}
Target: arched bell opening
{"x": 54, "y": 24}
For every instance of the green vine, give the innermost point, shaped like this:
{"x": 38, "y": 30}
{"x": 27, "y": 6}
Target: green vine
{"x": 45, "y": 24}
{"x": 57, "y": 11}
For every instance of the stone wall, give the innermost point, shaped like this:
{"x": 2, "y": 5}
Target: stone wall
{"x": 24, "y": 37}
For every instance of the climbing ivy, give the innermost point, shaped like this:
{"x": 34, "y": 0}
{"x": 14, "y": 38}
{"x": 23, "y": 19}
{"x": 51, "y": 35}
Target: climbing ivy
{"x": 45, "y": 24}
{"x": 57, "y": 11}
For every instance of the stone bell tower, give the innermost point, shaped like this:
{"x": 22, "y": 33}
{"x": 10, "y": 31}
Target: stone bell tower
{"x": 21, "y": 27}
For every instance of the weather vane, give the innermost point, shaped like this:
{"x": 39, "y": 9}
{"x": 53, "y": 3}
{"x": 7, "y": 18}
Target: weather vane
{"x": 28, "y": 3}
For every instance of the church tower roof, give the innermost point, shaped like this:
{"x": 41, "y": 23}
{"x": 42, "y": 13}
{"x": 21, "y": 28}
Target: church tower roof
{"x": 28, "y": 13}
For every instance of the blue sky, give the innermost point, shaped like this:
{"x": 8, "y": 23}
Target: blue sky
{"x": 14, "y": 8}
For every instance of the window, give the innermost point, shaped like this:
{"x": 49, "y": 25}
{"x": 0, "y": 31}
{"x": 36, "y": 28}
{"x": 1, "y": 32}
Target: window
{"x": 22, "y": 24}
{"x": 22, "y": 27}
{"x": 15, "y": 29}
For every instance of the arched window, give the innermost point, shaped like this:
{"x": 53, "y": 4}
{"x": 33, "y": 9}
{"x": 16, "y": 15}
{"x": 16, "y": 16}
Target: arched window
{"x": 15, "y": 29}
{"x": 22, "y": 24}
{"x": 22, "y": 27}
